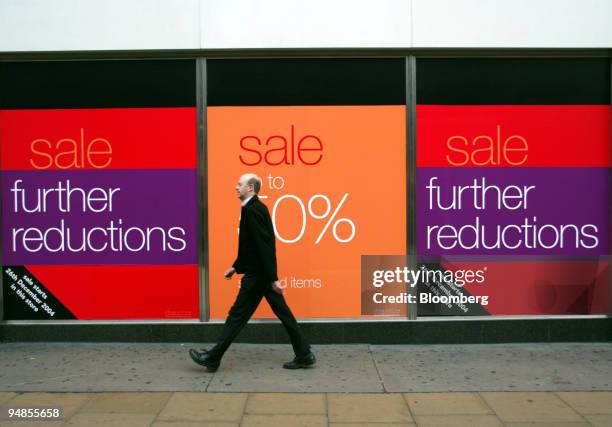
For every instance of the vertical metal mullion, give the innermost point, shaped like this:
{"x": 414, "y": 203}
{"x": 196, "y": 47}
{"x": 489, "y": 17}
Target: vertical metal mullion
{"x": 1, "y": 248}
{"x": 411, "y": 184}
{"x": 610, "y": 197}
{"x": 1, "y": 264}
{"x": 202, "y": 185}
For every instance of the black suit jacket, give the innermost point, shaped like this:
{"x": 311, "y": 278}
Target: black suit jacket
{"x": 256, "y": 243}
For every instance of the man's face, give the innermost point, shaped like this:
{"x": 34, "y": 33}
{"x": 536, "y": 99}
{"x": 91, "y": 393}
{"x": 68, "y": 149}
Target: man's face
{"x": 243, "y": 190}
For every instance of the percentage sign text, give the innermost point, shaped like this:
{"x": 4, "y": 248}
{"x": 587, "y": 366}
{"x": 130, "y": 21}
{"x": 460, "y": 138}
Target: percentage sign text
{"x": 331, "y": 219}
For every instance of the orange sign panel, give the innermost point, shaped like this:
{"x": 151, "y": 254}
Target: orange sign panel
{"x": 334, "y": 180}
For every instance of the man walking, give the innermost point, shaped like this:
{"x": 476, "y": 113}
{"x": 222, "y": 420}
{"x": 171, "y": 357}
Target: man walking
{"x": 257, "y": 261}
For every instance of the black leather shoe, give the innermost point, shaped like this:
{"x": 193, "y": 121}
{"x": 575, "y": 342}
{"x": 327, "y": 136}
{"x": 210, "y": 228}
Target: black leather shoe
{"x": 301, "y": 362}
{"x": 203, "y": 359}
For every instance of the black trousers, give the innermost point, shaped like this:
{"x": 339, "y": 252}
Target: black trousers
{"x": 251, "y": 293}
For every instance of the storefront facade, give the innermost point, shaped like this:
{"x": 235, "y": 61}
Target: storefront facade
{"x": 421, "y": 190}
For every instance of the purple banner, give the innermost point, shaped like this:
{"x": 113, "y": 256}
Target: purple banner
{"x": 99, "y": 217}
{"x": 513, "y": 211}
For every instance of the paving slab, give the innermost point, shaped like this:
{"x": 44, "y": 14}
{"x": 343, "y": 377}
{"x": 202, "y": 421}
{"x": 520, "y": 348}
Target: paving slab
{"x": 226, "y": 407}
{"x": 447, "y": 404}
{"x": 495, "y": 367}
{"x": 6, "y": 396}
{"x": 458, "y": 421}
{"x": 69, "y": 402}
{"x": 284, "y": 421}
{"x": 258, "y": 368}
{"x": 105, "y": 420}
{"x": 531, "y": 407}
{"x": 31, "y": 423}
{"x": 287, "y": 403}
{"x": 373, "y": 408}
{"x": 370, "y": 425}
{"x": 122, "y": 402}
{"x": 599, "y": 420}
{"x": 194, "y": 424}
{"x": 563, "y": 424}
{"x": 589, "y": 403}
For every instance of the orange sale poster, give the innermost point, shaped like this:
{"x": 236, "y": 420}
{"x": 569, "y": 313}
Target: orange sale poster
{"x": 334, "y": 181}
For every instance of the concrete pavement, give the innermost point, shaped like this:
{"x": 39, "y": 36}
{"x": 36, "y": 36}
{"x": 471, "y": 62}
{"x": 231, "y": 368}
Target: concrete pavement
{"x": 183, "y": 409}
{"x": 89, "y": 367}
{"x": 352, "y": 385}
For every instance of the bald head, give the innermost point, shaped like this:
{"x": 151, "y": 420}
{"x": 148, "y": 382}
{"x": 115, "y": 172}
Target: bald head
{"x": 254, "y": 180}
{"x": 248, "y": 185}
